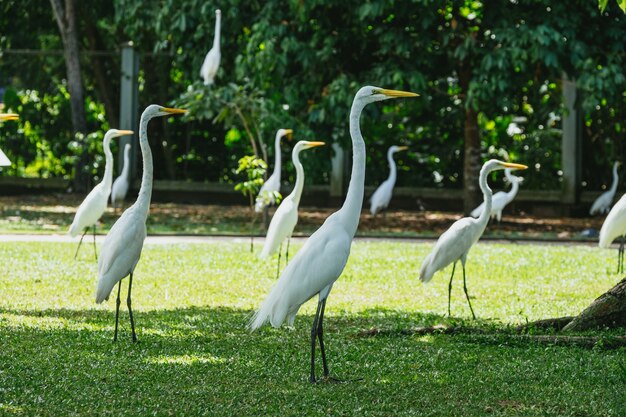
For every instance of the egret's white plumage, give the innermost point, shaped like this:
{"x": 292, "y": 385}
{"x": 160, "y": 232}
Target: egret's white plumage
{"x": 4, "y": 160}
{"x": 316, "y": 267}
{"x": 455, "y": 243}
{"x": 95, "y": 204}
{"x": 614, "y": 226}
{"x": 382, "y": 196}
{"x": 123, "y": 244}
{"x": 501, "y": 198}
{"x": 272, "y": 184}
{"x": 212, "y": 59}
{"x": 120, "y": 185}
{"x": 602, "y": 204}
{"x": 286, "y": 216}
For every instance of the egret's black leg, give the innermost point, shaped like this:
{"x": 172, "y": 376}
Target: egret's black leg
{"x": 450, "y": 288}
{"x": 467, "y": 295}
{"x": 320, "y": 336}
{"x": 280, "y": 249}
{"x": 79, "y": 242}
{"x": 117, "y": 309}
{"x": 130, "y": 310}
{"x": 95, "y": 252}
{"x": 287, "y": 256}
{"x": 620, "y": 256}
{"x": 313, "y": 336}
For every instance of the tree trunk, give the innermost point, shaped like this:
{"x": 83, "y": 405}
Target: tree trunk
{"x": 608, "y": 310}
{"x": 66, "y": 20}
{"x": 471, "y": 155}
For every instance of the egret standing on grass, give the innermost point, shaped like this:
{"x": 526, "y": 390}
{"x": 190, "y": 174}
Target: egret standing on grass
{"x": 4, "y": 161}
{"x": 123, "y": 244}
{"x": 266, "y": 196}
{"x": 286, "y": 216}
{"x": 602, "y": 205}
{"x": 382, "y": 196}
{"x": 120, "y": 185}
{"x": 501, "y": 198}
{"x": 319, "y": 263}
{"x": 94, "y": 205}
{"x": 212, "y": 60}
{"x": 455, "y": 243}
{"x": 614, "y": 226}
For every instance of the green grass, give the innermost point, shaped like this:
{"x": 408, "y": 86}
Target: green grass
{"x": 196, "y": 357}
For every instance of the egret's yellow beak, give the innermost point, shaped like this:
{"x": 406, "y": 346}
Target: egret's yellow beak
{"x": 313, "y": 144}
{"x": 125, "y": 132}
{"x": 402, "y": 148}
{"x": 289, "y": 134}
{"x": 514, "y": 166}
{"x": 397, "y": 93}
{"x": 9, "y": 116}
{"x": 173, "y": 111}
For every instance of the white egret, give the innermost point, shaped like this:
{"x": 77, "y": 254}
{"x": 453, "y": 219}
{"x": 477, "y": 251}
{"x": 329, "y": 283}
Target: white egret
{"x": 4, "y": 161}
{"x": 455, "y": 243}
{"x": 272, "y": 185}
{"x": 94, "y": 205}
{"x": 614, "y": 226}
{"x": 123, "y": 244}
{"x": 212, "y": 60}
{"x": 602, "y": 205}
{"x": 286, "y": 216}
{"x": 382, "y": 196}
{"x": 501, "y": 198}
{"x": 120, "y": 185}
{"x": 319, "y": 263}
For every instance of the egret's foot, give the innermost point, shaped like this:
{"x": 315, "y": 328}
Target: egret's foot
{"x": 334, "y": 380}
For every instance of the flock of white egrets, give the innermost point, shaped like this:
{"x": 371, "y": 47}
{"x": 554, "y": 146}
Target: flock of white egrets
{"x": 322, "y": 258}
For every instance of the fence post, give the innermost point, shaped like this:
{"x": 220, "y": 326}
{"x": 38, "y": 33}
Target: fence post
{"x": 571, "y": 155}
{"x": 129, "y": 92}
{"x": 337, "y": 171}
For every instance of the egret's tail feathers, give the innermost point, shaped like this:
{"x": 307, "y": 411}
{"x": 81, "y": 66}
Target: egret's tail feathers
{"x": 74, "y": 230}
{"x": 103, "y": 291}
{"x": 274, "y": 309}
{"x": 425, "y": 272}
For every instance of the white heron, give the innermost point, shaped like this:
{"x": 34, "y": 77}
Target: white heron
{"x": 120, "y": 185}
{"x": 455, "y": 243}
{"x": 286, "y": 216}
{"x": 212, "y": 60}
{"x": 602, "y": 205}
{"x": 614, "y": 226}
{"x": 123, "y": 244}
{"x": 501, "y": 198}
{"x": 382, "y": 196}
{"x": 320, "y": 262}
{"x": 4, "y": 161}
{"x": 95, "y": 204}
{"x": 266, "y": 196}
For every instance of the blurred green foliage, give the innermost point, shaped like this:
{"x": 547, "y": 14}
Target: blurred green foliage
{"x": 297, "y": 65}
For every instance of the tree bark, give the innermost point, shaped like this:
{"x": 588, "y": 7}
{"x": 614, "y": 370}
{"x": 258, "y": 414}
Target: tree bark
{"x": 66, "y": 20}
{"x": 608, "y": 310}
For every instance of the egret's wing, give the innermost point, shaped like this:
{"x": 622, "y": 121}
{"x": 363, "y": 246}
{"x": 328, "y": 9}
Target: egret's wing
{"x": 283, "y": 222}
{"x": 498, "y": 201}
{"x": 601, "y": 203}
{"x": 614, "y": 225}
{"x": 381, "y": 197}
{"x": 4, "y": 161}
{"x": 90, "y": 210}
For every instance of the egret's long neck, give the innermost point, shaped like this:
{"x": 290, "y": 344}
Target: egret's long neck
{"x": 351, "y": 209}
{"x": 392, "y": 167}
{"x": 145, "y": 192}
{"x": 126, "y": 167}
{"x": 297, "y": 188}
{"x": 514, "y": 188}
{"x": 277, "y": 157}
{"x": 487, "y": 194}
{"x": 108, "y": 167}
{"x": 615, "y": 179}
{"x": 216, "y": 36}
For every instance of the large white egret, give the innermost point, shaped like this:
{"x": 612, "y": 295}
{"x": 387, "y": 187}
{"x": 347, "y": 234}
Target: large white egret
{"x": 319, "y": 263}
{"x": 4, "y": 161}
{"x": 501, "y": 198}
{"x": 120, "y": 185}
{"x": 602, "y": 204}
{"x": 95, "y": 204}
{"x": 614, "y": 226}
{"x": 382, "y": 196}
{"x": 266, "y": 196}
{"x": 455, "y": 243}
{"x": 123, "y": 244}
{"x": 286, "y": 216}
{"x": 212, "y": 60}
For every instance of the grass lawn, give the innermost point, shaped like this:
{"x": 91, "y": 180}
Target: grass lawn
{"x": 196, "y": 357}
